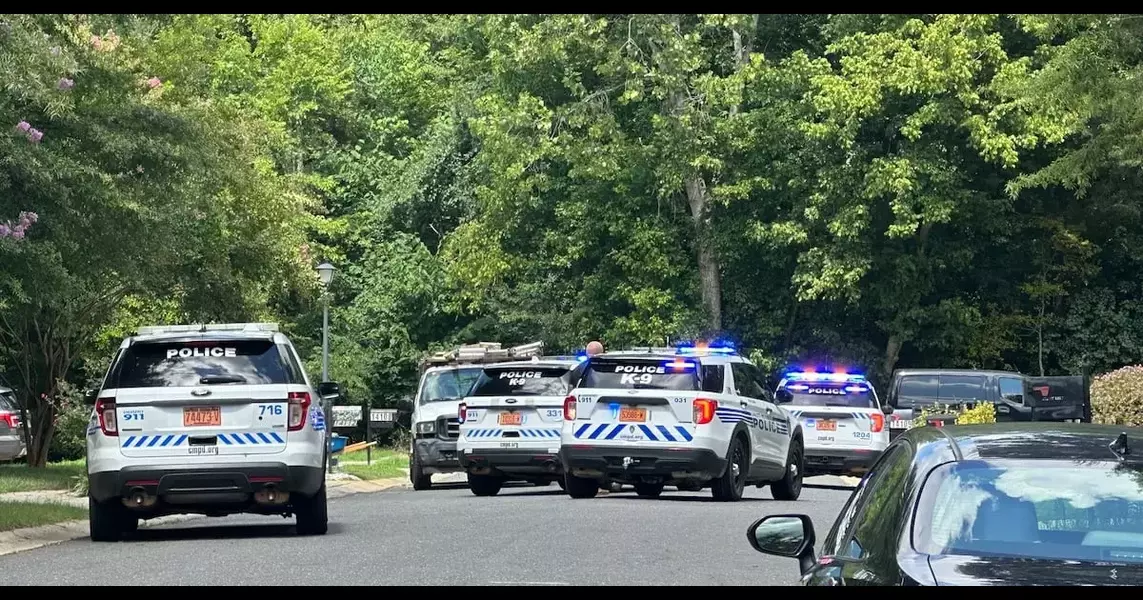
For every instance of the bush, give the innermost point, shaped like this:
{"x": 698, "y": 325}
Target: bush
{"x": 70, "y": 439}
{"x": 1117, "y": 397}
{"x": 983, "y": 412}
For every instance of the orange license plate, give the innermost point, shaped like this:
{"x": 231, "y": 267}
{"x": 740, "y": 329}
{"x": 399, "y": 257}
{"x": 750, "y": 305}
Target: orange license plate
{"x": 511, "y": 418}
{"x": 632, "y": 415}
{"x": 827, "y": 425}
{"x": 202, "y": 416}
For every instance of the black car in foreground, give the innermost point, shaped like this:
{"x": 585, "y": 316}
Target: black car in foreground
{"x": 998, "y": 504}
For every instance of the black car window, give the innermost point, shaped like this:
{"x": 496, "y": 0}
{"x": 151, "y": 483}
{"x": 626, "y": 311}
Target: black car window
{"x": 916, "y": 390}
{"x": 836, "y": 542}
{"x": 7, "y": 402}
{"x": 879, "y": 513}
{"x": 713, "y": 378}
{"x": 961, "y": 388}
{"x": 522, "y": 381}
{"x": 745, "y": 381}
{"x": 1012, "y": 389}
{"x": 202, "y": 362}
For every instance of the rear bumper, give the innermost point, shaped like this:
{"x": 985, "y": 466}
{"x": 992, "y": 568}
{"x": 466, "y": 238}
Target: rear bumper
{"x": 204, "y": 485}
{"x": 512, "y": 461}
{"x": 839, "y": 461}
{"x": 608, "y": 462}
{"x": 436, "y": 455}
{"x": 11, "y": 446}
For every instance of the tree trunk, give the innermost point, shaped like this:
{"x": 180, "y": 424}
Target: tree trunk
{"x": 892, "y": 350}
{"x": 1040, "y": 334}
{"x": 710, "y": 279}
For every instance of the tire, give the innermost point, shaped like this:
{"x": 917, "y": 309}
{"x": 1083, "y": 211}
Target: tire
{"x": 419, "y": 479}
{"x": 563, "y": 486}
{"x": 580, "y": 487}
{"x": 789, "y": 488}
{"x": 729, "y": 486}
{"x": 484, "y": 485}
{"x": 648, "y": 490}
{"x": 109, "y": 521}
{"x": 313, "y": 514}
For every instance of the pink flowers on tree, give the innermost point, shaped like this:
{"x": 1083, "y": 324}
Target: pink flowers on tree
{"x": 65, "y": 84}
{"x": 153, "y": 82}
{"x": 17, "y": 230}
{"x": 34, "y": 135}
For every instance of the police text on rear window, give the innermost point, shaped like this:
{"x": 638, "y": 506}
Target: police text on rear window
{"x": 816, "y": 393}
{"x": 205, "y": 362}
{"x": 517, "y": 381}
{"x": 637, "y": 374}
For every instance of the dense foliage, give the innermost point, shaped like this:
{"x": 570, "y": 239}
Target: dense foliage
{"x": 1117, "y": 397}
{"x": 874, "y": 191}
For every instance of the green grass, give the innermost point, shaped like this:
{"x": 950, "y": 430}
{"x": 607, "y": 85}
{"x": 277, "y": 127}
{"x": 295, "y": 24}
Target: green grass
{"x": 17, "y": 515}
{"x": 386, "y": 464}
{"x": 55, "y": 476}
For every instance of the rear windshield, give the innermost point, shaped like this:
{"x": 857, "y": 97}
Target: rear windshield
{"x": 7, "y": 402}
{"x": 517, "y": 381}
{"x": 202, "y": 362}
{"x": 1064, "y": 510}
{"x": 849, "y": 395}
{"x": 450, "y": 384}
{"x": 642, "y": 374}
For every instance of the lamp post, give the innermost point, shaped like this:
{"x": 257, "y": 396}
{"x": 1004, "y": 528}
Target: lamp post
{"x": 325, "y": 272}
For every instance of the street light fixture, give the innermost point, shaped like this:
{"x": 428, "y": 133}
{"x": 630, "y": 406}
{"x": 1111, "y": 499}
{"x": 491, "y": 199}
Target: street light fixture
{"x": 325, "y": 272}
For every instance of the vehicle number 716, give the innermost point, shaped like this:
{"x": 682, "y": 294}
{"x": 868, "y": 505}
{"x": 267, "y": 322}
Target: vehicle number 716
{"x": 269, "y": 409}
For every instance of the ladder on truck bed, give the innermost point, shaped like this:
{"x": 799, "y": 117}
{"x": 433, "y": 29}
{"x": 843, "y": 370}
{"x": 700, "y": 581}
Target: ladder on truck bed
{"x": 483, "y": 353}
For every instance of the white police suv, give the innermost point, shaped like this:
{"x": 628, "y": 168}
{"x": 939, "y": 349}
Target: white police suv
{"x": 510, "y": 423}
{"x": 206, "y": 419}
{"x": 845, "y": 426}
{"x": 688, "y": 417}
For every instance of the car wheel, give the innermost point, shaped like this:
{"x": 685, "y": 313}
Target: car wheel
{"x": 484, "y": 485}
{"x": 790, "y": 486}
{"x": 313, "y": 514}
{"x": 729, "y": 487}
{"x": 563, "y": 486}
{"x": 648, "y": 490}
{"x": 108, "y": 521}
{"x": 581, "y": 487}
{"x": 420, "y": 479}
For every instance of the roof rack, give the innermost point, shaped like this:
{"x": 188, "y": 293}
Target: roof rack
{"x": 483, "y": 353}
{"x": 204, "y": 327}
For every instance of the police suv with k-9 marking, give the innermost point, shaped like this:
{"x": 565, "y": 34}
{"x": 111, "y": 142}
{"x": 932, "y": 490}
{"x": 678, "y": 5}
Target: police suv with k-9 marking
{"x": 689, "y": 417}
{"x": 206, "y": 419}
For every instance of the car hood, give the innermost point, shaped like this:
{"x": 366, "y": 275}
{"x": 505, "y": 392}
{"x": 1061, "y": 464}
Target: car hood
{"x": 431, "y": 411}
{"x": 988, "y": 570}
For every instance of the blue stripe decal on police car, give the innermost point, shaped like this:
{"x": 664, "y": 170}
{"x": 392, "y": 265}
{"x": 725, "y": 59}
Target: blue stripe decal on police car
{"x": 149, "y": 441}
{"x": 731, "y": 415}
{"x": 609, "y": 431}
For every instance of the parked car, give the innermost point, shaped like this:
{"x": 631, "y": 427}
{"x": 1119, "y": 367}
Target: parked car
{"x": 998, "y": 504}
{"x": 11, "y": 429}
{"x": 1017, "y": 397}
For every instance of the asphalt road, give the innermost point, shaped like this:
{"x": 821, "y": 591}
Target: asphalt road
{"x": 447, "y": 536}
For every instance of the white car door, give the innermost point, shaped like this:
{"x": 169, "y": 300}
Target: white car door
{"x": 749, "y": 396}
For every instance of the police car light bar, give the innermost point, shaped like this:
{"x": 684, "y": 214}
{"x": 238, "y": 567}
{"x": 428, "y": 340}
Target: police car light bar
{"x": 201, "y": 328}
{"x": 835, "y": 377}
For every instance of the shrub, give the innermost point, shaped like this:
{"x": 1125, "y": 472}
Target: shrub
{"x": 1117, "y": 397}
{"x": 983, "y": 412}
{"x": 69, "y": 442}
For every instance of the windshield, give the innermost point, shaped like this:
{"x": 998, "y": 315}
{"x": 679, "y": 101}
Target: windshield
{"x": 522, "y": 381}
{"x": 847, "y": 395}
{"x": 203, "y": 362}
{"x": 451, "y": 384}
{"x": 642, "y": 374}
{"x": 1066, "y": 510}
{"x": 8, "y": 402}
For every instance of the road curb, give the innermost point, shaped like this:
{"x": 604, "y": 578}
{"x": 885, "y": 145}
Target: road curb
{"x": 30, "y": 538}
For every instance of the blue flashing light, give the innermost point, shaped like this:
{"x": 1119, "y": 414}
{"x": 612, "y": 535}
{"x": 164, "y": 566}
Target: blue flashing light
{"x": 834, "y": 377}
{"x": 798, "y": 387}
{"x": 581, "y": 356}
{"x": 679, "y": 364}
{"x": 717, "y": 347}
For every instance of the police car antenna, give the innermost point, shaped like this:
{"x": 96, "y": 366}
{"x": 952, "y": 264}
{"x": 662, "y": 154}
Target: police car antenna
{"x": 1119, "y": 446}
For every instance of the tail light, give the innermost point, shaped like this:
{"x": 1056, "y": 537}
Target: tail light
{"x": 299, "y": 406}
{"x": 569, "y": 408}
{"x": 462, "y": 412}
{"x": 878, "y": 422}
{"x": 106, "y": 410}
{"x": 10, "y": 419}
{"x": 704, "y": 410}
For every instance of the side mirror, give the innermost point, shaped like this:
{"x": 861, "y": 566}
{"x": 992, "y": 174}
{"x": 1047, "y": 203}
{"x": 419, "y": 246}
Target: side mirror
{"x": 790, "y": 536}
{"x": 90, "y": 396}
{"x": 784, "y": 396}
{"x": 329, "y": 388}
{"x": 888, "y": 410}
